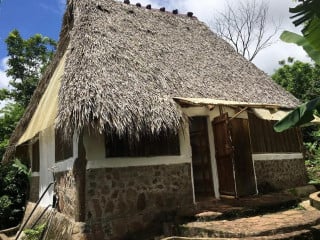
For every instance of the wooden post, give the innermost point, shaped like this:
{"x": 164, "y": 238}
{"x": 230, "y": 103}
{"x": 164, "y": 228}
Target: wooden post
{"x": 79, "y": 172}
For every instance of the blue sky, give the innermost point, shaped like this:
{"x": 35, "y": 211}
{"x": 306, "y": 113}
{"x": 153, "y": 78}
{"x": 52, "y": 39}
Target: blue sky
{"x": 30, "y": 17}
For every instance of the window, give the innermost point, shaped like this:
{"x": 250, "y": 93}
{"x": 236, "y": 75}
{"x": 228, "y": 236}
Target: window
{"x": 265, "y": 140}
{"x": 63, "y": 147}
{"x": 155, "y": 145}
{"x": 35, "y": 165}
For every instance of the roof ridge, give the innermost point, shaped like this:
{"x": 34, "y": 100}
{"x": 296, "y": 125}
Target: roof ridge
{"x": 162, "y": 9}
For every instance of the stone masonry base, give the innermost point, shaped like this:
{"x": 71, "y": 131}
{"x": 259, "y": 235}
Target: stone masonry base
{"x": 275, "y": 175}
{"x": 123, "y": 201}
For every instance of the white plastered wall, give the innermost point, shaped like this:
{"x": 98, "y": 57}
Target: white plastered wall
{"x": 47, "y": 155}
{"x": 48, "y": 164}
{"x": 96, "y": 155}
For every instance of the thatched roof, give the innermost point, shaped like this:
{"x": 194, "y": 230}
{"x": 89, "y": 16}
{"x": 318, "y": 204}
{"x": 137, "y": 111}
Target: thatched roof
{"x": 126, "y": 63}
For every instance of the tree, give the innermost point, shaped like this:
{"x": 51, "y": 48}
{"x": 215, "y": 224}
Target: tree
{"x": 27, "y": 61}
{"x": 299, "y": 78}
{"x": 245, "y": 27}
{"x": 9, "y": 117}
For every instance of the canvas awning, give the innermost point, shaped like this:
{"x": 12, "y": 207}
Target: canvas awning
{"x": 211, "y": 101}
{"x": 46, "y": 111}
{"x": 270, "y": 114}
{"x": 264, "y": 111}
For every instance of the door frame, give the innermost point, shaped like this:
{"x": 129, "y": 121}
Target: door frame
{"x": 213, "y": 159}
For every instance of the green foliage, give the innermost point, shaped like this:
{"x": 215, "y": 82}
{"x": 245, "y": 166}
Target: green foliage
{"x": 291, "y": 37}
{"x": 299, "y": 78}
{"x": 14, "y": 187}
{"x": 34, "y": 234}
{"x": 5, "y": 207}
{"x": 27, "y": 61}
{"x": 307, "y": 13}
{"x": 313, "y": 162}
{"x": 9, "y": 117}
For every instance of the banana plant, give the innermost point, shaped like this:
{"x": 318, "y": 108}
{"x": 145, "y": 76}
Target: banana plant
{"x": 307, "y": 13}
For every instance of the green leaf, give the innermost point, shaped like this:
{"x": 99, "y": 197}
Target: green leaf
{"x": 299, "y": 116}
{"x": 312, "y": 33}
{"x": 291, "y": 37}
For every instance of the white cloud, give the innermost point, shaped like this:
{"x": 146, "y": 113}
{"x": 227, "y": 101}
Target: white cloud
{"x": 4, "y": 80}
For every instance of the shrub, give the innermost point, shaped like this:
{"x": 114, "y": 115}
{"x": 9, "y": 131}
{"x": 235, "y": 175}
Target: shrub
{"x": 14, "y": 188}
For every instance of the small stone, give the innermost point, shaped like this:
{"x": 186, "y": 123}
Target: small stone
{"x": 209, "y": 215}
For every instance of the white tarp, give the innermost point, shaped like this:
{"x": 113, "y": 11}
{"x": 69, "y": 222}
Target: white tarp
{"x": 47, "y": 109}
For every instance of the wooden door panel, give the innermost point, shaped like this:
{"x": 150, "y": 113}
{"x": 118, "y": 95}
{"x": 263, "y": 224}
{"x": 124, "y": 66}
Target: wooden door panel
{"x": 201, "y": 160}
{"x": 224, "y": 155}
{"x": 244, "y": 170}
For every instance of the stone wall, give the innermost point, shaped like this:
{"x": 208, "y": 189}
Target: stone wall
{"x": 274, "y": 175}
{"x": 65, "y": 186}
{"x": 122, "y": 201}
{"x": 34, "y": 189}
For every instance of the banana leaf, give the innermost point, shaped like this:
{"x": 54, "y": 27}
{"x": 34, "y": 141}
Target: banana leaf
{"x": 307, "y": 13}
{"x": 299, "y": 116}
{"x": 302, "y": 41}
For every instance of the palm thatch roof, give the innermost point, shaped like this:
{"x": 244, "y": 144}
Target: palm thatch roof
{"x": 126, "y": 63}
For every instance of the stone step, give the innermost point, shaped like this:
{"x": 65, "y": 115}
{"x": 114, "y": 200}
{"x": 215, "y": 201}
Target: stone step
{"x": 265, "y": 225}
{"x": 237, "y": 208}
{"x": 296, "y": 235}
{"x": 245, "y": 211}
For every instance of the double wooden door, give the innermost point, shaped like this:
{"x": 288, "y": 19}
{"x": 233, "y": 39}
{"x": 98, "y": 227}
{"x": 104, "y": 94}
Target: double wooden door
{"x": 233, "y": 156}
